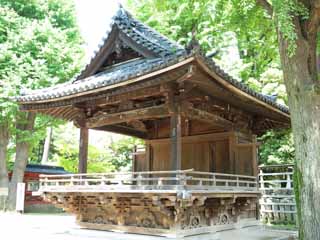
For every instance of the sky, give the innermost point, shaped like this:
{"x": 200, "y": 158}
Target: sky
{"x": 94, "y": 18}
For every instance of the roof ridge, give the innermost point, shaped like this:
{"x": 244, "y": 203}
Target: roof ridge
{"x": 150, "y": 29}
{"x": 159, "y": 44}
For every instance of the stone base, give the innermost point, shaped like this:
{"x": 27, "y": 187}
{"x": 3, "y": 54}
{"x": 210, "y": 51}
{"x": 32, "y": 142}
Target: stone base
{"x": 42, "y": 208}
{"x": 161, "y": 214}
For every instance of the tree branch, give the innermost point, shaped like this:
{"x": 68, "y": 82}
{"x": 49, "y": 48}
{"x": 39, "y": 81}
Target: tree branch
{"x": 266, "y": 5}
{"x": 314, "y": 19}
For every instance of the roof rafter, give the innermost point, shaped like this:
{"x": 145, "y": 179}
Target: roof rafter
{"x": 104, "y": 119}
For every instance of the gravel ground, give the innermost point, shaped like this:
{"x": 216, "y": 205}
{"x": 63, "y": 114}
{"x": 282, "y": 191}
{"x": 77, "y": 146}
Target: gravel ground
{"x": 63, "y": 227}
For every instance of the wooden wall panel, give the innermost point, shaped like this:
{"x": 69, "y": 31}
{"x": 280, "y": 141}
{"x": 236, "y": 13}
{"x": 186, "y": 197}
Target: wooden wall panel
{"x": 196, "y": 156}
{"x": 200, "y": 152}
{"x": 140, "y": 163}
{"x": 219, "y": 152}
{"x": 244, "y": 161}
{"x": 161, "y": 128}
{"x": 160, "y": 156}
{"x": 220, "y": 161}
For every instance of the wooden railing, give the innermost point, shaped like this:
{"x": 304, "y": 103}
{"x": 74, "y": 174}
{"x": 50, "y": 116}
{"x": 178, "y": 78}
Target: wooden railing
{"x": 277, "y": 202}
{"x": 147, "y": 181}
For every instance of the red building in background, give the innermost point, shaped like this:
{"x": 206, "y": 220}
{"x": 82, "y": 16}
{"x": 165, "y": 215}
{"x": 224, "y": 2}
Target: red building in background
{"x": 31, "y": 179}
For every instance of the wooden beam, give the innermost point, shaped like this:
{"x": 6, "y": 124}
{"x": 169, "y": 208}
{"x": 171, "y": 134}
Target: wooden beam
{"x": 139, "y": 125}
{"x": 136, "y": 94}
{"x": 201, "y": 115}
{"x": 135, "y": 46}
{"x": 120, "y": 129}
{"x": 83, "y": 150}
{"x": 104, "y": 119}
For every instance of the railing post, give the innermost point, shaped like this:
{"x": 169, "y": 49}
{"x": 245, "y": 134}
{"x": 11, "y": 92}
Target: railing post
{"x": 160, "y": 182}
{"x": 71, "y": 181}
{"x": 289, "y": 186}
{"x": 200, "y": 183}
{"x": 182, "y": 178}
{"x": 261, "y": 179}
{"x": 46, "y": 182}
{"x": 139, "y": 182}
{"x": 214, "y": 180}
{"x": 86, "y": 182}
{"x": 237, "y": 179}
{"x": 103, "y": 180}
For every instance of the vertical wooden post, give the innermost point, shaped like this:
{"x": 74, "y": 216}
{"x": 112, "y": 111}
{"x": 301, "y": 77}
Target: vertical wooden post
{"x": 254, "y": 155}
{"x": 83, "y": 150}
{"x": 175, "y": 135}
{"x": 148, "y": 165}
{"x": 232, "y": 149}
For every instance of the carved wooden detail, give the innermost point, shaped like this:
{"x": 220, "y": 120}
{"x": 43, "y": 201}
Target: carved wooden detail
{"x": 157, "y": 214}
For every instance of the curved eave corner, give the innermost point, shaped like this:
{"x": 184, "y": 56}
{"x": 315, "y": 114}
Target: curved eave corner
{"x": 237, "y": 87}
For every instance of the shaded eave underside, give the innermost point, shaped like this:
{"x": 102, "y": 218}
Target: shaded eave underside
{"x": 48, "y": 105}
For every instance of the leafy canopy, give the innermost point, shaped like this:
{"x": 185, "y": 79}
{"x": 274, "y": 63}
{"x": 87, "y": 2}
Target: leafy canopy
{"x": 237, "y": 32}
{"x": 39, "y": 47}
{"x": 113, "y": 155}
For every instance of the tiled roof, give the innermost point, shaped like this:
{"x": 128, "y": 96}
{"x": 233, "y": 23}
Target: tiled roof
{"x": 45, "y": 169}
{"x": 141, "y": 34}
{"x": 242, "y": 86}
{"x": 114, "y": 75}
{"x": 168, "y": 53}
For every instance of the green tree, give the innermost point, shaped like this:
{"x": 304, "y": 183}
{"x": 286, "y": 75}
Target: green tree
{"x": 216, "y": 25}
{"x": 39, "y": 47}
{"x": 277, "y": 148}
{"x": 292, "y": 28}
{"x": 65, "y": 151}
{"x": 121, "y": 152}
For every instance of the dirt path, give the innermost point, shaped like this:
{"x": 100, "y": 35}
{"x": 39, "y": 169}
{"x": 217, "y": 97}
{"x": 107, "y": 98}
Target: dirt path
{"x": 63, "y": 227}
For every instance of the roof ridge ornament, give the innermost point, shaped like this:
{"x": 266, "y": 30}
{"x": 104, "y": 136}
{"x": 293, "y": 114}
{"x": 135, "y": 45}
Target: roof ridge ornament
{"x": 194, "y": 46}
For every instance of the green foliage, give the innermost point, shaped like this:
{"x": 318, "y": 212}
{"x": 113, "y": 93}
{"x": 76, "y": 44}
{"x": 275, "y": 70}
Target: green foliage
{"x": 65, "y": 151}
{"x": 277, "y": 148}
{"x": 178, "y": 20}
{"x": 121, "y": 152}
{"x": 217, "y": 25}
{"x": 253, "y": 31}
{"x": 105, "y": 157}
{"x": 39, "y": 47}
{"x": 284, "y": 13}
{"x": 270, "y": 83}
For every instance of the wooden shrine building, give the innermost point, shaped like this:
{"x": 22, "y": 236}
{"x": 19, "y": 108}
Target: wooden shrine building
{"x": 199, "y": 125}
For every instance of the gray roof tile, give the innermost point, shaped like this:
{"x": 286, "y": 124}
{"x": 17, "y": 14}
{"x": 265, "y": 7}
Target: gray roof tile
{"x": 168, "y": 53}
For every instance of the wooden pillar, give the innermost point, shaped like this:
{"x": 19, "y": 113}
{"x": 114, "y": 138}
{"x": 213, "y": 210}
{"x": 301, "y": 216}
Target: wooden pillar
{"x": 254, "y": 155}
{"x": 83, "y": 150}
{"x": 232, "y": 153}
{"x": 175, "y": 135}
{"x": 148, "y": 159}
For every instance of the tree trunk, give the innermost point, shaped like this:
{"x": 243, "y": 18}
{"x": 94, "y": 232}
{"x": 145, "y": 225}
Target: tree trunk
{"x": 300, "y": 76}
{"x": 46, "y": 148}
{"x": 4, "y": 180}
{"x": 24, "y": 127}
